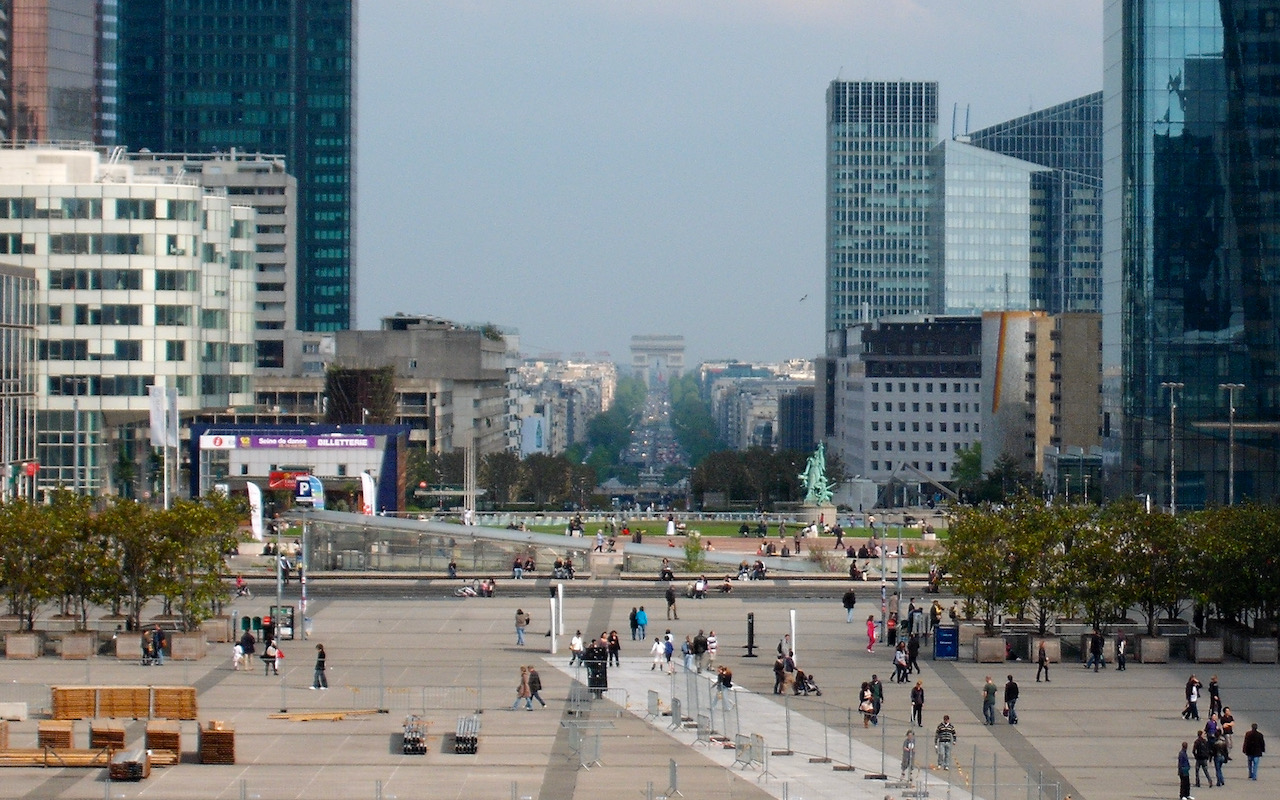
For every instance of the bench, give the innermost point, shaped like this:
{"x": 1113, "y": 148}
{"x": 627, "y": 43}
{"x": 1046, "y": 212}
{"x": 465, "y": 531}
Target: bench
{"x": 415, "y": 736}
{"x": 466, "y": 739}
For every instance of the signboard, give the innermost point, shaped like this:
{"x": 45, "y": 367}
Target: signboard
{"x": 211, "y": 441}
{"x": 533, "y": 435}
{"x": 32, "y": 468}
{"x": 309, "y": 489}
{"x": 284, "y": 480}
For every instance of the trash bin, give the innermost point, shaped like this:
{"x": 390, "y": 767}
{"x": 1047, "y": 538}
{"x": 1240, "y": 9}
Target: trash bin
{"x": 597, "y": 676}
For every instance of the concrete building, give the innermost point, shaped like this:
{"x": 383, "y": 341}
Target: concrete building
{"x": 907, "y": 397}
{"x": 563, "y": 396}
{"x": 18, "y": 318}
{"x": 143, "y": 280}
{"x": 795, "y": 429}
{"x": 1043, "y": 390}
{"x": 879, "y": 182}
{"x": 262, "y": 183}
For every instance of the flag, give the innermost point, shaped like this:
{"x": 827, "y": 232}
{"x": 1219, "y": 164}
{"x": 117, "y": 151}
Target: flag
{"x": 255, "y": 509}
{"x": 159, "y": 417}
{"x": 369, "y": 492}
{"x": 317, "y": 492}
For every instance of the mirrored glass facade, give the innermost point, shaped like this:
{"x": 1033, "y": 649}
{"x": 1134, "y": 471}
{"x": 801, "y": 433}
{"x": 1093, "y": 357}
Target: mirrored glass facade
{"x": 879, "y": 134}
{"x": 257, "y": 76}
{"x": 1191, "y": 246}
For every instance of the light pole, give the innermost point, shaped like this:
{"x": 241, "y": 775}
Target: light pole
{"x": 1231, "y": 388}
{"x": 1173, "y": 388}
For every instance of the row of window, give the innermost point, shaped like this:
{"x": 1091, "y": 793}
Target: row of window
{"x": 129, "y": 314}
{"x": 915, "y": 426}
{"x": 927, "y": 466}
{"x": 92, "y": 208}
{"x": 928, "y": 446}
{"x": 915, "y": 388}
{"x": 137, "y": 385}
{"x": 166, "y": 279}
{"x": 131, "y": 350}
{"x": 928, "y": 408}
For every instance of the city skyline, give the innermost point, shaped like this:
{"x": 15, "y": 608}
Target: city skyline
{"x": 608, "y": 168}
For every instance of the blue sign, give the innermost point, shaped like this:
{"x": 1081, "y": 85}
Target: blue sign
{"x": 309, "y": 489}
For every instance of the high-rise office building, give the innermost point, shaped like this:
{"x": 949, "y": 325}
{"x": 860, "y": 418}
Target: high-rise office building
{"x": 879, "y": 134}
{"x": 58, "y": 70}
{"x": 1066, "y": 138}
{"x": 1191, "y": 249}
{"x": 258, "y": 76}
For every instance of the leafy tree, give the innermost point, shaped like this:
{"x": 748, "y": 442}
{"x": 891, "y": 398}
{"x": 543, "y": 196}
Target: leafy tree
{"x": 1101, "y": 585}
{"x": 27, "y": 551}
{"x": 499, "y": 474}
{"x": 547, "y": 479}
{"x": 967, "y": 472}
{"x": 692, "y": 421}
{"x": 978, "y": 561}
{"x": 721, "y": 471}
{"x": 1154, "y": 557}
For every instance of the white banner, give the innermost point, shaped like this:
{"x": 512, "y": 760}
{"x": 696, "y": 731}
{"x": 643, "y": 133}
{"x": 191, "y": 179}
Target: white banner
{"x": 255, "y": 509}
{"x": 159, "y": 417}
{"x": 173, "y": 426}
{"x": 369, "y": 492}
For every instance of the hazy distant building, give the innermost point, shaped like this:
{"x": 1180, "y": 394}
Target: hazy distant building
{"x": 657, "y": 357}
{"x": 879, "y": 134}
{"x": 795, "y": 419}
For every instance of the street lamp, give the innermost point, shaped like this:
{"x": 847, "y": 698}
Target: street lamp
{"x": 1231, "y": 388}
{"x": 1173, "y": 388}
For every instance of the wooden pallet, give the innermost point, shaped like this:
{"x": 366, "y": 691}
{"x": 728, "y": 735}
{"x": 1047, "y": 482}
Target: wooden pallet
{"x": 217, "y": 744}
{"x": 133, "y": 702}
{"x": 174, "y": 702}
{"x": 55, "y": 733}
{"x": 106, "y": 734}
{"x": 74, "y": 702}
{"x": 164, "y": 735}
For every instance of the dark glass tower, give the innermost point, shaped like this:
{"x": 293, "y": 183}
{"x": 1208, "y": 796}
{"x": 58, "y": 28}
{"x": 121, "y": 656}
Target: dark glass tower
{"x": 258, "y": 76}
{"x": 1192, "y": 247}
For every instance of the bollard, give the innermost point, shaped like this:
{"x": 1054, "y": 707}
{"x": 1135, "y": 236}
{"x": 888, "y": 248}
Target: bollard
{"x": 751, "y": 635}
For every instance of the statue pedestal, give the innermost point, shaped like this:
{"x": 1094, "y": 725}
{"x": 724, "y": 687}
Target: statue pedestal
{"x": 812, "y": 513}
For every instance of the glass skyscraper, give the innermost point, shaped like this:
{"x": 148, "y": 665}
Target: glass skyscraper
{"x": 1191, "y": 247}
{"x": 879, "y": 134}
{"x": 257, "y": 76}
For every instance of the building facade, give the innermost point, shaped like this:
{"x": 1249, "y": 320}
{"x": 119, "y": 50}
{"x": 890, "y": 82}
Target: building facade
{"x": 1191, "y": 249}
{"x": 257, "y": 76}
{"x": 141, "y": 281}
{"x": 18, "y": 316}
{"x": 879, "y": 134}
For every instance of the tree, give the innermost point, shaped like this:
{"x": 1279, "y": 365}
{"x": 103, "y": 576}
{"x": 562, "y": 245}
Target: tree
{"x": 27, "y": 552}
{"x": 1153, "y": 555}
{"x": 978, "y": 561}
{"x": 967, "y": 472}
{"x": 499, "y": 474}
{"x": 546, "y": 479}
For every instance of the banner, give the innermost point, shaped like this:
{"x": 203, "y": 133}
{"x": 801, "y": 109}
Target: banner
{"x": 369, "y": 492}
{"x": 255, "y": 509}
{"x": 159, "y": 415}
{"x": 317, "y": 492}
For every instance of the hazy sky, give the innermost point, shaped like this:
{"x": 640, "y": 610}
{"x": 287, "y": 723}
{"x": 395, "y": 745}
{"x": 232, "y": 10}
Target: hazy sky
{"x": 585, "y": 170}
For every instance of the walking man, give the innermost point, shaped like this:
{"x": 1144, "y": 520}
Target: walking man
{"x": 1184, "y": 774}
{"x": 671, "y": 603}
{"x": 943, "y": 738}
{"x": 1011, "y": 700}
{"x": 522, "y": 622}
{"x": 642, "y": 619}
{"x": 989, "y": 702}
{"x": 1202, "y": 751}
{"x": 1122, "y": 651}
{"x": 917, "y": 704}
{"x": 1253, "y": 748}
{"x": 908, "y": 754}
{"x": 1095, "y": 651}
{"x": 850, "y": 599}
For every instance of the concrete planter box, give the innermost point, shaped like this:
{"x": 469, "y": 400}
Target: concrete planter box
{"x": 218, "y": 629}
{"x": 1152, "y": 649}
{"x": 988, "y": 649}
{"x": 59, "y": 624}
{"x": 1108, "y": 648}
{"x": 1052, "y": 648}
{"x": 187, "y": 646}
{"x": 129, "y": 646}
{"x": 23, "y": 645}
{"x": 10, "y": 624}
{"x": 968, "y": 631}
{"x": 1261, "y": 650}
{"x": 1205, "y": 649}
{"x": 78, "y": 646}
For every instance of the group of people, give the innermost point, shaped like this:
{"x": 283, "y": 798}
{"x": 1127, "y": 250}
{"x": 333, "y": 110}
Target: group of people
{"x": 521, "y": 565}
{"x": 697, "y": 652}
{"x": 786, "y": 675}
{"x": 1213, "y": 742}
{"x": 606, "y": 648}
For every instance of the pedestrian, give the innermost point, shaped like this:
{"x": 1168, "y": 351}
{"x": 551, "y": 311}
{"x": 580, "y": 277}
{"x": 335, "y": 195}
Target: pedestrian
{"x": 1095, "y": 651}
{"x": 659, "y": 653}
{"x": 913, "y": 653}
{"x": 522, "y": 692}
{"x": 1253, "y": 748}
{"x": 247, "y": 645}
{"x": 535, "y": 687}
{"x": 713, "y": 647}
{"x": 1215, "y": 696}
{"x": 1011, "y": 700}
{"x": 908, "y": 755}
{"x": 668, "y": 650}
{"x": 700, "y": 649}
{"x": 779, "y": 674}
{"x": 575, "y": 648}
{"x": 320, "y": 680}
{"x": 671, "y": 603}
{"x": 269, "y": 657}
{"x": 1122, "y": 651}
{"x": 615, "y": 649}
{"x": 642, "y": 619}
{"x": 943, "y": 738}
{"x": 687, "y": 654}
{"x": 237, "y": 656}
{"x": 1228, "y": 722}
{"x": 1042, "y": 663}
{"x": 634, "y": 621}
{"x": 850, "y": 600}
{"x": 522, "y": 622}
{"x": 784, "y": 644}
{"x": 158, "y": 642}
{"x": 1201, "y": 751}
{"x": 866, "y": 704}
{"x": 1184, "y": 774}
{"x": 891, "y": 629}
{"x": 917, "y": 704}
{"x": 1218, "y": 749}
{"x": 839, "y": 534}
{"x": 900, "y": 670}
{"x": 1192, "y": 692}
{"x": 989, "y": 702}
{"x": 871, "y": 633}
{"x": 724, "y": 683}
{"x": 877, "y": 698}
{"x": 911, "y": 618}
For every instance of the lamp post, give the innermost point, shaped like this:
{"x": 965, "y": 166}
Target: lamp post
{"x": 1231, "y": 388}
{"x": 1173, "y": 388}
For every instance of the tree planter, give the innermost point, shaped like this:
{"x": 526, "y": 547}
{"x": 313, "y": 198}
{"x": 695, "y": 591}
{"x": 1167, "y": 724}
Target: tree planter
{"x": 967, "y": 631}
{"x": 1261, "y": 650}
{"x": 78, "y": 646}
{"x": 1153, "y": 649}
{"x": 1052, "y": 648}
{"x": 10, "y": 623}
{"x": 218, "y": 629}
{"x": 186, "y": 646}
{"x": 1205, "y": 649}
{"x": 988, "y": 649}
{"x": 1108, "y": 648}
{"x": 27, "y": 645}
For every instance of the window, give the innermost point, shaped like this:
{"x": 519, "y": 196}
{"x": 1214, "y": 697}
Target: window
{"x": 915, "y": 388}
{"x": 875, "y": 387}
{"x": 342, "y": 470}
{"x": 135, "y": 209}
{"x": 108, "y": 315}
{"x": 942, "y": 446}
{"x": 875, "y": 425}
{"x": 175, "y": 350}
{"x": 175, "y": 280}
{"x": 173, "y": 315}
{"x": 928, "y": 407}
{"x": 875, "y": 445}
{"x": 928, "y": 447}
{"x": 875, "y": 465}
{"x": 902, "y": 427}
{"x": 902, "y": 408}
{"x": 942, "y": 426}
{"x": 875, "y": 406}
{"x": 128, "y": 350}
{"x": 928, "y": 466}
{"x": 915, "y": 447}
{"x": 915, "y": 408}
{"x": 915, "y": 426}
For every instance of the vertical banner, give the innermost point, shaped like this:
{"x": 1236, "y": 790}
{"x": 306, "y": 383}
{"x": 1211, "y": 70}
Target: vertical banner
{"x": 159, "y": 415}
{"x": 255, "y": 509}
{"x": 172, "y": 425}
{"x": 317, "y": 492}
{"x": 369, "y": 492}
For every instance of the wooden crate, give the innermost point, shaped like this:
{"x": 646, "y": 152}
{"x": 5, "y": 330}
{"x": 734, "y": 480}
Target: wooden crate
{"x": 131, "y": 765}
{"x": 55, "y": 733}
{"x": 4, "y": 734}
{"x": 174, "y": 702}
{"x": 133, "y": 702}
{"x": 74, "y": 702}
{"x": 106, "y": 734}
{"x": 163, "y": 734}
{"x": 217, "y": 744}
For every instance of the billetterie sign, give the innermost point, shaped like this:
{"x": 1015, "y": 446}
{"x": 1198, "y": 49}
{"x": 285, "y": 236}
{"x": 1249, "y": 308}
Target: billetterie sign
{"x": 222, "y": 442}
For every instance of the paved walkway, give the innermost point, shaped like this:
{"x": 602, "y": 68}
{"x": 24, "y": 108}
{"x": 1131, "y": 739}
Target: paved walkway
{"x": 1096, "y": 736}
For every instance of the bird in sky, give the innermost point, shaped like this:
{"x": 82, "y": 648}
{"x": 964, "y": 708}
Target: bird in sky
{"x": 802, "y": 299}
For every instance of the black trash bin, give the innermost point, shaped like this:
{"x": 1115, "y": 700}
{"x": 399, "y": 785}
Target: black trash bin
{"x": 596, "y": 660}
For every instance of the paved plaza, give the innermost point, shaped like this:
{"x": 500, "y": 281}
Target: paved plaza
{"x": 417, "y": 648}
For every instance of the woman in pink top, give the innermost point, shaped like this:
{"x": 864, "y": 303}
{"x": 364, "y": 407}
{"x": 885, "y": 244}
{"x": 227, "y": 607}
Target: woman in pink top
{"x": 871, "y": 633}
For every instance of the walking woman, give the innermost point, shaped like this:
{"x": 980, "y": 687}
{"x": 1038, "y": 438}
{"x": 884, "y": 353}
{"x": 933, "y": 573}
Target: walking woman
{"x": 866, "y": 704}
{"x": 522, "y": 691}
{"x": 871, "y": 633}
{"x": 659, "y": 653}
{"x": 320, "y": 681}
{"x": 615, "y": 649}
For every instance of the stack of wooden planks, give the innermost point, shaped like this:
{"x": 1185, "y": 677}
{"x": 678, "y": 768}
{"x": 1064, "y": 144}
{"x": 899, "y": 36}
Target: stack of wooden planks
{"x": 130, "y": 765}
{"x": 106, "y": 734}
{"x": 55, "y": 733}
{"x": 164, "y": 735}
{"x": 217, "y": 744}
{"x": 174, "y": 702}
{"x": 124, "y": 701}
{"x": 74, "y": 702}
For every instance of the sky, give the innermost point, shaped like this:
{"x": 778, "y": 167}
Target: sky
{"x": 586, "y": 170}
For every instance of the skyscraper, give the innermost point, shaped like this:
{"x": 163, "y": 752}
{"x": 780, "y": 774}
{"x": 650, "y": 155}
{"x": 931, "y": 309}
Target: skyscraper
{"x": 259, "y": 76}
{"x": 879, "y": 134}
{"x": 1191, "y": 248}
